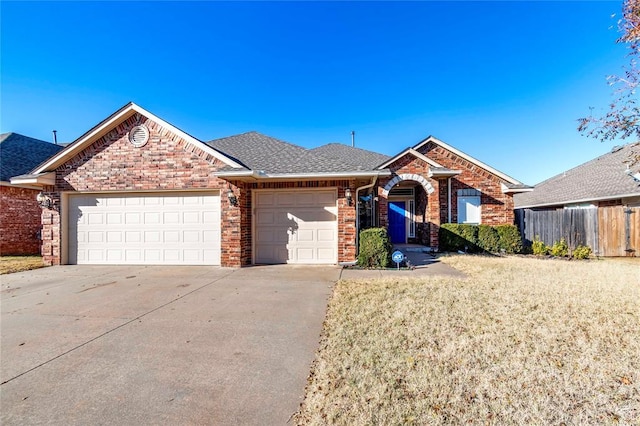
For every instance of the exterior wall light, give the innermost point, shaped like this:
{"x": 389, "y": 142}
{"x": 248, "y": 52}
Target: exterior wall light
{"x": 347, "y": 195}
{"x": 44, "y": 201}
{"x": 233, "y": 200}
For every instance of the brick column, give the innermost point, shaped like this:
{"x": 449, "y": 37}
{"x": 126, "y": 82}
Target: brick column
{"x": 231, "y": 218}
{"x": 51, "y": 237}
{"x": 347, "y": 225}
{"x": 433, "y": 214}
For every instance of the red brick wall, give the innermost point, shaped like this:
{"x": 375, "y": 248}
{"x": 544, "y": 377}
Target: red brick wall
{"x": 346, "y": 214}
{"x": 412, "y": 165}
{"x": 19, "y": 221}
{"x": 496, "y": 207}
{"x": 166, "y": 162}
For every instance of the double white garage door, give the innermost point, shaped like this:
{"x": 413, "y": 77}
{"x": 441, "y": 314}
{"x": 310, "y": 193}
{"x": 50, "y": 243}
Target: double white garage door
{"x": 183, "y": 228}
{"x": 152, "y": 229}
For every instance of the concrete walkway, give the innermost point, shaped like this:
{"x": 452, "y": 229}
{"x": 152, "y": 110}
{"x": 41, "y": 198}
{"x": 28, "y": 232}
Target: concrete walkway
{"x": 425, "y": 265}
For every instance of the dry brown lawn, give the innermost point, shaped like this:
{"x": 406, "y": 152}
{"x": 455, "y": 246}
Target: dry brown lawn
{"x": 10, "y": 264}
{"x": 520, "y": 341}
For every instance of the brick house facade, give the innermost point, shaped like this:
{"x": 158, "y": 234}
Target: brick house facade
{"x": 310, "y": 216}
{"x": 19, "y": 221}
{"x": 440, "y": 172}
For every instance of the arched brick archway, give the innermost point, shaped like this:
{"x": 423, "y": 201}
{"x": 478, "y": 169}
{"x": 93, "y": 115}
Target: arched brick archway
{"x": 408, "y": 176}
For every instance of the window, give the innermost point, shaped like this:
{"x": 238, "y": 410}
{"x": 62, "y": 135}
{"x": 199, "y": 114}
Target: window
{"x": 469, "y": 206}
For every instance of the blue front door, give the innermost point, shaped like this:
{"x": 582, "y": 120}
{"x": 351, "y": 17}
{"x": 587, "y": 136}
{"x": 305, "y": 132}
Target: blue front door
{"x": 397, "y": 225}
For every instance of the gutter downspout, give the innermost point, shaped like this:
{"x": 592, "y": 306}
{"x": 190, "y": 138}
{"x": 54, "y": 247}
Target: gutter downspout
{"x": 449, "y": 203}
{"x": 370, "y": 185}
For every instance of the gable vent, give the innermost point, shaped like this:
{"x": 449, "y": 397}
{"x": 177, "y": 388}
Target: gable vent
{"x": 401, "y": 192}
{"x": 139, "y": 136}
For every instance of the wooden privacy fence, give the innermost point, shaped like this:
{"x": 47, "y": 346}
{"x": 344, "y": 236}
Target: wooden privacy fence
{"x": 609, "y": 231}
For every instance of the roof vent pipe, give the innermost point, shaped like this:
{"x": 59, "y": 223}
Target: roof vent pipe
{"x": 55, "y": 137}
{"x": 353, "y": 138}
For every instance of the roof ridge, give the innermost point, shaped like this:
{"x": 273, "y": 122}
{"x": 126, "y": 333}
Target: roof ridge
{"x": 348, "y": 146}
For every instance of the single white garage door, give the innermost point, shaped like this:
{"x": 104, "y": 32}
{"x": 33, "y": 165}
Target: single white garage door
{"x": 144, "y": 228}
{"x": 296, "y": 226}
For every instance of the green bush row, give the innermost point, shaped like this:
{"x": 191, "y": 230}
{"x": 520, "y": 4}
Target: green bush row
{"x": 375, "y": 248}
{"x": 480, "y": 238}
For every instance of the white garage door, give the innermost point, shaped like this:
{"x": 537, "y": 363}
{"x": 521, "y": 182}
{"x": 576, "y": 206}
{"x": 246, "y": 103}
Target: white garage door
{"x": 296, "y": 226}
{"x": 151, "y": 229}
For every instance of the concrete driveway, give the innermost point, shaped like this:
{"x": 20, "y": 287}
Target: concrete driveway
{"x": 159, "y": 345}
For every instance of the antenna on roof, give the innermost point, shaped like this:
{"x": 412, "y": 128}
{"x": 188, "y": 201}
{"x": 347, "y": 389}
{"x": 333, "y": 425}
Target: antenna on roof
{"x": 55, "y": 137}
{"x": 353, "y": 138}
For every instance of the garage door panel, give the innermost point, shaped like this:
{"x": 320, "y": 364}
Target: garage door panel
{"x": 295, "y": 226}
{"x": 132, "y": 218}
{"x": 305, "y": 235}
{"x": 326, "y": 235}
{"x": 175, "y": 228}
{"x": 285, "y": 199}
{"x": 171, "y": 218}
{"x": 326, "y": 199}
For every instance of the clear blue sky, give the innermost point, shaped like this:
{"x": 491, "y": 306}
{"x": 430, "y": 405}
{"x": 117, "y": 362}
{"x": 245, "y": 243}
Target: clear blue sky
{"x": 502, "y": 81}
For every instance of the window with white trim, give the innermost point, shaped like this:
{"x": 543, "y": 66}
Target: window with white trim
{"x": 469, "y": 206}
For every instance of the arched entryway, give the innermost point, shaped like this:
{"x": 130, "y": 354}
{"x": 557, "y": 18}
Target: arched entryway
{"x": 407, "y": 196}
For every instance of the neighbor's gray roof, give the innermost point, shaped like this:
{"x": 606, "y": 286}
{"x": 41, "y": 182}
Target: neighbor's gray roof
{"x": 601, "y": 178}
{"x": 263, "y": 153}
{"x": 21, "y": 154}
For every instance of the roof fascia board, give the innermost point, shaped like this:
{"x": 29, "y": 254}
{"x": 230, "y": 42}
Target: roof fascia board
{"x": 413, "y": 152}
{"x": 326, "y": 175}
{"x": 6, "y": 183}
{"x": 507, "y": 190}
{"x": 79, "y": 144}
{"x": 448, "y": 173}
{"x": 425, "y": 158}
{"x": 39, "y": 180}
{"x": 329, "y": 175}
{"x": 468, "y": 158}
{"x": 583, "y": 200}
{"x": 122, "y": 114}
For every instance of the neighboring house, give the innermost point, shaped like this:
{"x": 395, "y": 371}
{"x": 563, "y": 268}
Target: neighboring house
{"x": 136, "y": 189}
{"x": 596, "y": 204}
{"x": 603, "y": 181}
{"x": 20, "y": 221}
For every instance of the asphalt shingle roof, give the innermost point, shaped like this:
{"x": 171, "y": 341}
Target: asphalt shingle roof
{"x": 599, "y": 178}
{"x": 21, "y": 154}
{"x": 263, "y": 153}
{"x": 358, "y": 157}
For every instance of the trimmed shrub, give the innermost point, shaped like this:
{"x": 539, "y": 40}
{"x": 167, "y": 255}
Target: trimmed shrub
{"x": 477, "y": 238}
{"x": 488, "y": 238}
{"x": 375, "y": 248}
{"x": 509, "y": 239}
{"x": 470, "y": 235}
{"x": 457, "y": 236}
{"x": 539, "y": 247}
{"x": 582, "y": 252}
{"x": 560, "y": 248}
